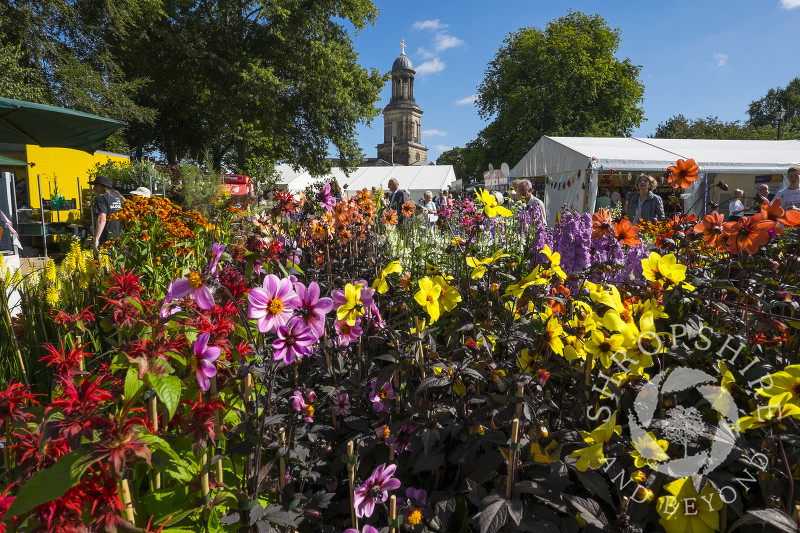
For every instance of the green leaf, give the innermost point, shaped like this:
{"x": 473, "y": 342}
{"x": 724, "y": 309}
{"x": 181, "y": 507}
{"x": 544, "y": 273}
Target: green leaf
{"x": 169, "y": 392}
{"x": 132, "y": 383}
{"x": 50, "y": 484}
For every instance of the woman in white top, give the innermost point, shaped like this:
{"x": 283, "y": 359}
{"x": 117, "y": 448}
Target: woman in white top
{"x": 736, "y": 207}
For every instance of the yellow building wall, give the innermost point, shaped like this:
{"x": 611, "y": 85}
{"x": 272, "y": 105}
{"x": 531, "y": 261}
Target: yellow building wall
{"x": 65, "y": 168}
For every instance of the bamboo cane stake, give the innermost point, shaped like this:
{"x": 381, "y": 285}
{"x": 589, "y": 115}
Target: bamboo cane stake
{"x": 127, "y": 501}
{"x": 421, "y": 351}
{"x": 351, "y": 475}
{"x": 204, "y": 476}
{"x": 392, "y": 513}
{"x": 333, "y": 417}
{"x": 282, "y": 461}
{"x": 519, "y": 392}
{"x": 512, "y": 455}
{"x": 397, "y": 391}
{"x": 152, "y": 408}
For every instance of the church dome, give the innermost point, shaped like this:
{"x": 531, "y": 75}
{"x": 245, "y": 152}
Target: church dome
{"x": 402, "y": 63}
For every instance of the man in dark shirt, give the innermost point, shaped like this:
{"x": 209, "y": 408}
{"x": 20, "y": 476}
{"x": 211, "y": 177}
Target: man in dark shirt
{"x": 108, "y": 202}
{"x": 397, "y": 199}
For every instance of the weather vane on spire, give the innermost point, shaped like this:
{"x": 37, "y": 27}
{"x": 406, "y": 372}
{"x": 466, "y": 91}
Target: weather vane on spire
{"x": 403, "y": 44}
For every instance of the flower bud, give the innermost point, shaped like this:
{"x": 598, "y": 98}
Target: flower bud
{"x": 722, "y": 185}
{"x": 639, "y": 476}
{"x": 542, "y": 377}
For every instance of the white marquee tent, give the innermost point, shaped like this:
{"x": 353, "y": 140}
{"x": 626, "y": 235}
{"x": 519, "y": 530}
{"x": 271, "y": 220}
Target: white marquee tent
{"x": 416, "y": 178}
{"x": 571, "y": 165}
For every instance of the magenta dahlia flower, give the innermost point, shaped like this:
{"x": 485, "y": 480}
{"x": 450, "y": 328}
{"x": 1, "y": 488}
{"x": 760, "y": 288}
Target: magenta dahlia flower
{"x": 380, "y": 397}
{"x": 217, "y": 250}
{"x": 295, "y": 341}
{"x": 312, "y": 309}
{"x": 366, "y": 529}
{"x": 348, "y": 334}
{"x": 375, "y": 490}
{"x": 203, "y": 362}
{"x": 341, "y": 404}
{"x": 325, "y": 199}
{"x": 273, "y": 304}
{"x": 194, "y": 287}
{"x": 300, "y": 405}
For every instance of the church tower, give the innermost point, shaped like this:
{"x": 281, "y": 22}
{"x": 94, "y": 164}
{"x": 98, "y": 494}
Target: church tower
{"x": 402, "y": 118}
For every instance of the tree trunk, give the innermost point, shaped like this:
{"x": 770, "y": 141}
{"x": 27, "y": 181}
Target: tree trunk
{"x": 242, "y": 154}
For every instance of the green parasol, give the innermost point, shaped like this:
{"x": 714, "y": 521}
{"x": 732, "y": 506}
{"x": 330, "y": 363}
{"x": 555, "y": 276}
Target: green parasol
{"x": 51, "y": 126}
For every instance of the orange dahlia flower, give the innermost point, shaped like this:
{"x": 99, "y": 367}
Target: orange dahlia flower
{"x": 748, "y": 233}
{"x": 601, "y": 223}
{"x": 407, "y": 209}
{"x": 711, "y": 229}
{"x": 683, "y": 173}
{"x": 389, "y": 217}
{"x": 773, "y": 212}
{"x": 627, "y": 232}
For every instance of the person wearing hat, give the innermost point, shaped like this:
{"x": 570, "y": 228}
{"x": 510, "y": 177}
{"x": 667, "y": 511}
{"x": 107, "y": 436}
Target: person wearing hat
{"x": 108, "y": 202}
{"x": 144, "y": 192}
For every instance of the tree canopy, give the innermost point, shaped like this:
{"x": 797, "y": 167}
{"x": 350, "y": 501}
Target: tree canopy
{"x": 761, "y": 123}
{"x": 274, "y": 81}
{"x": 562, "y": 80}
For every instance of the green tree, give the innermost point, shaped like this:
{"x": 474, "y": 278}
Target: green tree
{"x": 248, "y": 78}
{"x": 762, "y": 112}
{"x": 59, "y": 51}
{"x": 679, "y": 127}
{"x": 563, "y": 80}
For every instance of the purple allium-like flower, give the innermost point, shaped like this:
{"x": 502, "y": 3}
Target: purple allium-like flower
{"x": 311, "y": 308}
{"x": 418, "y": 497}
{"x": 366, "y": 529}
{"x": 273, "y": 305}
{"x": 375, "y": 490}
{"x": 341, "y": 404}
{"x": 348, "y": 334}
{"x": 217, "y": 250}
{"x": 325, "y": 199}
{"x": 203, "y": 362}
{"x": 380, "y": 397}
{"x": 195, "y": 288}
{"x": 294, "y": 342}
{"x": 402, "y": 438}
{"x": 300, "y": 405}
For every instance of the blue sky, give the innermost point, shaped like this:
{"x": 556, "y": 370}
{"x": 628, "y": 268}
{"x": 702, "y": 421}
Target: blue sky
{"x": 698, "y": 57}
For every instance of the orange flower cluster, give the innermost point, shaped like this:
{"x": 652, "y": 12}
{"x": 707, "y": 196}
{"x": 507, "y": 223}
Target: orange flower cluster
{"x": 350, "y": 219}
{"x": 622, "y": 230}
{"x": 159, "y": 220}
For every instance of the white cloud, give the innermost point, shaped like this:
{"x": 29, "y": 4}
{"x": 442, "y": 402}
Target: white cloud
{"x": 429, "y": 25}
{"x": 435, "y": 132}
{"x": 430, "y": 67}
{"x": 442, "y": 148}
{"x": 469, "y": 100}
{"x": 445, "y": 41}
{"x": 722, "y": 59}
{"x": 422, "y": 53}
{"x": 790, "y": 4}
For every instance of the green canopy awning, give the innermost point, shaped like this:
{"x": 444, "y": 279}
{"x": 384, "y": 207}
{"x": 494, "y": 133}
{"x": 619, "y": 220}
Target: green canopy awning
{"x": 51, "y": 126}
{"x": 10, "y": 162}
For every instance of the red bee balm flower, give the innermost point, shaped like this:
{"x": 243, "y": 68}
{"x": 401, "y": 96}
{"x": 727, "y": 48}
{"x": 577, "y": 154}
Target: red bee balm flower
{"x": 66, "y": 363}
{"x": 683, "y": 173}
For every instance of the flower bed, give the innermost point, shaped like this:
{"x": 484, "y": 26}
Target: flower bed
{"x": 319, "y": 368}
